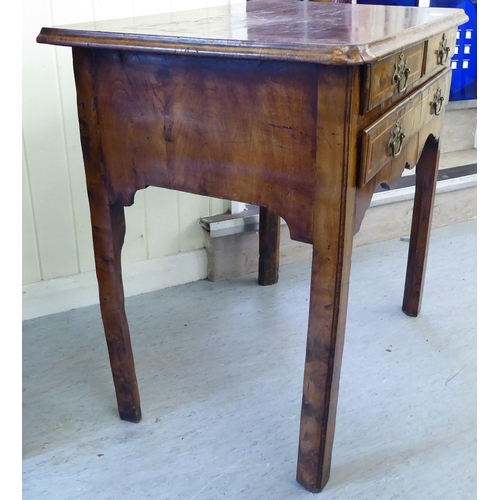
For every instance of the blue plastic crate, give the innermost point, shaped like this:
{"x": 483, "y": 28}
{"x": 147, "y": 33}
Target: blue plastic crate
{"x": 464, "y": 61}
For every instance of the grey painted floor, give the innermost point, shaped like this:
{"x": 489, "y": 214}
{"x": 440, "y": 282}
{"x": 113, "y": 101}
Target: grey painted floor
{"x": 220, "y": 373}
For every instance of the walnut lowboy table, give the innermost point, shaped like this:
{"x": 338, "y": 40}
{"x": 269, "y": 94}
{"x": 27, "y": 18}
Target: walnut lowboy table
{"x": 301, "y": 108}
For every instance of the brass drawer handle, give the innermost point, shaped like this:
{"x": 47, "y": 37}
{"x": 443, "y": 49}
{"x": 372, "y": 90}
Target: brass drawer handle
{"x": 396, "y": 140}
{"x": 437, "y": 102}
{"x": 443, "y": 51}
{"x": 401, "y": 72}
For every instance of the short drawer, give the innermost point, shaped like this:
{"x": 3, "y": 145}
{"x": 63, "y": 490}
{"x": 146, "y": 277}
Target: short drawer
{"x": 387, "y": 137}
{"x": 393, "y": 75}
{"x": 440, "y": 50}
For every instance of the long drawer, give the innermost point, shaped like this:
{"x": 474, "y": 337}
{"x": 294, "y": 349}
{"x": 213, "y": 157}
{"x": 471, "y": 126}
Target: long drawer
{"x": 388, "y": 137}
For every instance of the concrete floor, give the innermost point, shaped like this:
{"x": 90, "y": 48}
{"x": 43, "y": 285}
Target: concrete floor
{"x": 220, "y": 372}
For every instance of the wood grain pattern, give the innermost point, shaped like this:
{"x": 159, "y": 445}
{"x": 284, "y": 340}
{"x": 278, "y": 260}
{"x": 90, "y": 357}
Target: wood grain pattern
{"x": 204, "y": 125}
{"x": 269, "y": 247}
{"x": 317, "y": 32}
{"x": 108, "y": 232}
{"x": 334, "y": 201}
{"x": 379, "y": 84}
{"x": 274, "y": 132}
{"x": 412, "y": 113}
{"x": 425, "y": 189}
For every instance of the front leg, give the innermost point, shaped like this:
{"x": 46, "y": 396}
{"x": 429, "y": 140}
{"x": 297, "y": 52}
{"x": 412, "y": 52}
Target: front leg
{"x": 108, "y": 232}
{"x": 333, "y": 232}
{"x": 325, "y": 344}
{"x": 425, "y": 189}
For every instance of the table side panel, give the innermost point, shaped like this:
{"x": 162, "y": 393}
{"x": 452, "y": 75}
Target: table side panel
{"x": 233, "y": 129}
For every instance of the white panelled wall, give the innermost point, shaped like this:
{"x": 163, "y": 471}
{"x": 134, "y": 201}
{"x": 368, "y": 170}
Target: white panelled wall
{"x": 164, "y": 241}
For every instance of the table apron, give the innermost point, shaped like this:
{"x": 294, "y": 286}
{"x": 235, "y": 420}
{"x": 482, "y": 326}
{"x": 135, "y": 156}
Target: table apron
{"x": 234, "y": 129}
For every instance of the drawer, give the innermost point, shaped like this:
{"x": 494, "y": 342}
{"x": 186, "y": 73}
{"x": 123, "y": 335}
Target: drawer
{"x": 388, "y": 136}
{"x": 393, "y": 75}
{"x": 440, "y": 50}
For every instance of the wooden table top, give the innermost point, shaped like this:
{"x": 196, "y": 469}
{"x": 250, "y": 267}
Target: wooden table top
{"x": 315, "y": 32}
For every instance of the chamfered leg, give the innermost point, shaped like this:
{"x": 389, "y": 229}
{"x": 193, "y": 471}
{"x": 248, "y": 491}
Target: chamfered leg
{"x": 108, "y": 231}
{"x": 269, "y": 247}
{"x": 425, "y": 189}
{"x": 325, "y": 343}
{"x": 333, "y": 232}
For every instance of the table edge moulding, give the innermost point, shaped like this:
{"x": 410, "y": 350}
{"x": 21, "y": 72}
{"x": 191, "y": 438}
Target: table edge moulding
{"x": 300, "y": 108}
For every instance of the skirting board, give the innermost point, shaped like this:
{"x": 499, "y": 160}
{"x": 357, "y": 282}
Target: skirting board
{"x": 69, "y": 292}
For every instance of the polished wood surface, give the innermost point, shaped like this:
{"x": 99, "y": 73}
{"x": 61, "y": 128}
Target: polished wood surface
{"x": 412, "y": 114}
{"x": 425, "y": 189}
{"x": 108, "y": 231}
{"x": 291, "y": 106}
{"x": 269, "y": 247}
{"x": 268, "y": 29}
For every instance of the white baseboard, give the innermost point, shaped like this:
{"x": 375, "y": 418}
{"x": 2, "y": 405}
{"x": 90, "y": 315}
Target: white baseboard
{"x": 69, "y": 292}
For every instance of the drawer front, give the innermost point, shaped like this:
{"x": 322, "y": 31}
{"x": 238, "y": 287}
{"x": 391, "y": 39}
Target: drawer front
{"x": 393, "y": 75}
{"x": 387, "y": 138}
{"x": 440, "y": 50}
